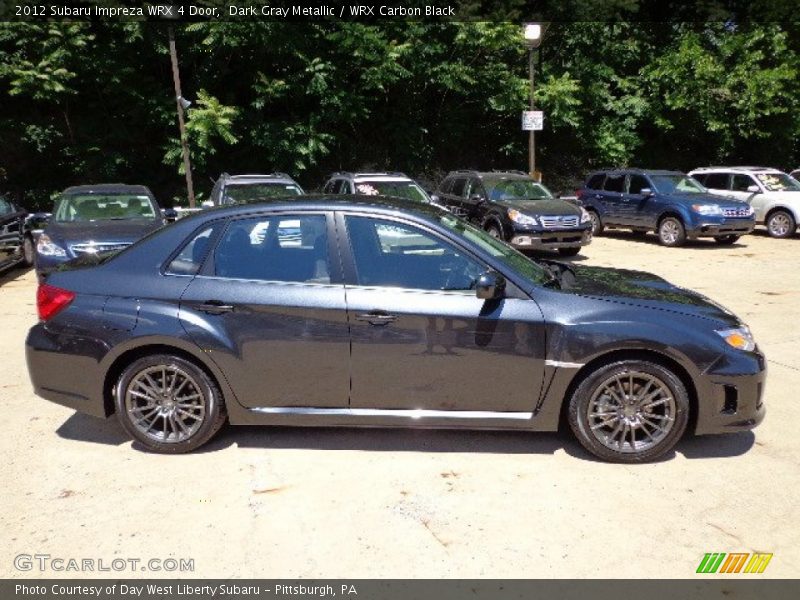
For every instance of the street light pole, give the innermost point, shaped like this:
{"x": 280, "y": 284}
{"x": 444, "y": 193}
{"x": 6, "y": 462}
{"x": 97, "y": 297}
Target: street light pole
{"x": 187, "y": 166}
{"x": 531, "y": 133}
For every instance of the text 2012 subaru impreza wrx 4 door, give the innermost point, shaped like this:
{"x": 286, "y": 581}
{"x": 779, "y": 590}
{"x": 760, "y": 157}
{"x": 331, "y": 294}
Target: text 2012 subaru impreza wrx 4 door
{"x": 380, "y": 312}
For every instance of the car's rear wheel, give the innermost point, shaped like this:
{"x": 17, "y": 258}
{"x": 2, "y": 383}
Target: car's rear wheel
{"x": 629, "y": 411}
{"x": 726, "y": 240}
{"x": 569, "y": 251}
{"x": 168, "y": 404}
{"x": 781, "y": 224}
{"x": 597, "y": 224}
{"x": 671, "y": 232}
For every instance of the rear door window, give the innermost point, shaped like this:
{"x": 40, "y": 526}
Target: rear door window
{"x": 459, "y": 185}
{"x": 716, "y": 181}
{"x": 615, "y": 183}
{"x": 596, "y": 181}
{"x": 191, "y": 257}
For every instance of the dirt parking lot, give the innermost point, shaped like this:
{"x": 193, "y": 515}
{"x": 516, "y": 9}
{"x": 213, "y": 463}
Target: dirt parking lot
{"x": 396, "y": 503}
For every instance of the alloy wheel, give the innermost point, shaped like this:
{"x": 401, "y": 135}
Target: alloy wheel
{"x": 780, "y": 225}
{"x": 631, "y": 412}
{"x": 670, "y": 232}
{"x": 165, "y": 403}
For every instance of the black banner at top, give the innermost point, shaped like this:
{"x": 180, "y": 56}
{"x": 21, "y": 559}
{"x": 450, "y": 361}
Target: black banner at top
{"x": 243, "y": 11}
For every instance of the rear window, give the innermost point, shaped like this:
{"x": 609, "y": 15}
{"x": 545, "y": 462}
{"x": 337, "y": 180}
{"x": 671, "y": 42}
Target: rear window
{"x": 614, "y": 183}
{"x": 596, "y": 181}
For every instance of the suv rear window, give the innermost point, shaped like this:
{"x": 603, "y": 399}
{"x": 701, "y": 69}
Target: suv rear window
{"x": 596, "y": 181}
{"x": 614, "y": 183}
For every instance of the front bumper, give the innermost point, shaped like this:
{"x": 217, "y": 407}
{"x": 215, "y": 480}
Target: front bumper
{"x": 724, "y": 226}
{"x": 550, "y": 240}
{"x": 730, "y": 393}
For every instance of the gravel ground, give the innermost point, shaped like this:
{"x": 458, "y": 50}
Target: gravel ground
{"x": 270, "y": 502}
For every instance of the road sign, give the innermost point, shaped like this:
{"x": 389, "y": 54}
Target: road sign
{"x": 532, "y": 120}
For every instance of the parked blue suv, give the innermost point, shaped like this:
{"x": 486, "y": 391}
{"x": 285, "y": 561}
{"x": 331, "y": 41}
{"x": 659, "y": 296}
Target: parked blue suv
{"x": 670, "y": 203}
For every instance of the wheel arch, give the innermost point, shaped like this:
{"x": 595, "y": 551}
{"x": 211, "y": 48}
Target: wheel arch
{"x": 782, "y": 207}
{"x": 634, "y": 354}
{"x": 670, "y": 212}
{"x": 132, "y": 354}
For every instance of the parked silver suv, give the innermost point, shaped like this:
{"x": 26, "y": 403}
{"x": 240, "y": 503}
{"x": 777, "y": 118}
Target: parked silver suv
{"x": 774, "y": 195}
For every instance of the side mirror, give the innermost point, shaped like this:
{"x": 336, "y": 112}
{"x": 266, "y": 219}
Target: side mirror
{"x": 206, "y": 204}
{"x": 490, "y": 285}
{"x": 477, "y": 198}
{"x": 753, "y": 189}
{"x": 646, "y": 192}
{"x": 434, "y": 198}
{"x": 170, "y": 214}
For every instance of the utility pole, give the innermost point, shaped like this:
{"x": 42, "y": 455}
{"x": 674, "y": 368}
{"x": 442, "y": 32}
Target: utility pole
{"x": 176, "y": 78}
{"x": 531, "y": 133}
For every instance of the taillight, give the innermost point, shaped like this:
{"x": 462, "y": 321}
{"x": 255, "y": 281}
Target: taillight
{"x": 51, "y": 300}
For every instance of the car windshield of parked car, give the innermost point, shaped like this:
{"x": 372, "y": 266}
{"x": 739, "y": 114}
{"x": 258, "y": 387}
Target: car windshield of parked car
{"x": 778, "y": 182}
{"x": 515, "y": 189}
{"x": 401, "y": 189}
{"x": 254, "y": 192}
{"x": 104, "y": 207}
{"x": 502, "y": 252}
{"x": 677, "y": 184}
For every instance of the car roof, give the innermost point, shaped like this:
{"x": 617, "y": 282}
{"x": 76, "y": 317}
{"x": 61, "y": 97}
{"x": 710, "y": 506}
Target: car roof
{"x": 312, "y": 202}
{"x": 108, "y": 188}
{"x": 256, "y": 178}
{"x": 388, "y": 175}
{"x": 513, "y": 173}
{"x": 737, "y": 170}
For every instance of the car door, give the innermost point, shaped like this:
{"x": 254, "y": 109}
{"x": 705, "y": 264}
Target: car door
{"x": 636, "y": 210}
{"x": 611, "y": 199}
{"x": 268, "y": 307}
{"x": 473, "y": 201}
{"x": 745, "y": 187}
{"x": 11, "y": 231}
{"x": 421, "y": 339}
{"x": 455, "y": 197}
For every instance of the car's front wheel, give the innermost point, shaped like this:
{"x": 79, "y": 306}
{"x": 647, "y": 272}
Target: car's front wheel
{"x": 781, "y": 224}
{"x": 168, "y": 404}
{"x": 597, "y": 224}
{"x": 629, "y": 411}
{"x": 671, "y": 232}
{"x": 493, "y": 229}
{"x": 28, "y": 252}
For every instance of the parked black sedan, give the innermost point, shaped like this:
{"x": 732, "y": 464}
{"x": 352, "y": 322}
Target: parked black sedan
{"x": 91, "y": 219}
{"x": 354, "y": 310}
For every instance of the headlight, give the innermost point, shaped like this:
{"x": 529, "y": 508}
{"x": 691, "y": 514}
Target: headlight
{"x": 739, "y": 338}
{"x": 585, "y": 216}
{"x": 707, "y": 209}
{"x": 47, "y": 247}
{"x": 520, "y": 218}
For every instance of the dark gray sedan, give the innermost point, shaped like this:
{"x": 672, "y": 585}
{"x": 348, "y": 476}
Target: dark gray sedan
{"x": 364, "y": 311}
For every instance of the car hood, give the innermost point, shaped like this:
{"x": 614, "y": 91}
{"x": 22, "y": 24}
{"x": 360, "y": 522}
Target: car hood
{"x": 550, "y": 206}
{"x": 640, "y": 289}
{"x": 723, "y": 201}
{"x": 128, "y": 230}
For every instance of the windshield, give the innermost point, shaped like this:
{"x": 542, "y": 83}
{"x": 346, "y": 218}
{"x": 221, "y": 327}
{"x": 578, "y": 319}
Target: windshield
{"x": 503, "y": 252}
{"x": 402, "y": 189}
{"x": 253, "y": 192}
{"x": 778, "y": 182}
{"x": 104, "y": 207}
{"x": 677, "y": 184}
{"x": 515, "y": 189}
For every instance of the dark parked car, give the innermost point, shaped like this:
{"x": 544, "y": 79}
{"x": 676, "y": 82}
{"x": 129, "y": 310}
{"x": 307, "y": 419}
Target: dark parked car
{"x": 94, "y": 219}
{"x": 670, "y": 203}
{"x": 511, "y": 206}
{"x": 396, "y": 184}
{"x": 383, "y": 313}
{"x": 232, "y": 189}
{"x": 16, "y": 243}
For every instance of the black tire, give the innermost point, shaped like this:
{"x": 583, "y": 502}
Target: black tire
{"x": 597, "y": 224}
{"x": 129, "y": 401}
{"x": 671, "y": 232}
{"x": 569, "y": 251}
{"x": 495, "y": 230}
{"x": 727, "y": 240}
{"x": 780, "y": 224}
{"x": 28, "y": 252}
{"x": 589, "y": 396}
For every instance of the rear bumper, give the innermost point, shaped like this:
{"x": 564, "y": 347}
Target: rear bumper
{"x": 730, "y": 394}
{"x": 574, "y": 238}
{"x": 63, "y": 374}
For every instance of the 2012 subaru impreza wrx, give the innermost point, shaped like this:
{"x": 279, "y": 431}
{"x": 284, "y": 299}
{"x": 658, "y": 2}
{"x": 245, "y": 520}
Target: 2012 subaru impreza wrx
{"x": 365, "y": 311}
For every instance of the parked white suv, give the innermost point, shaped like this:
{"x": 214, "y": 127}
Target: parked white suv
{"x": 774, "y": 195}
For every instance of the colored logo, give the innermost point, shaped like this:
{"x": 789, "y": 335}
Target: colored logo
{"x": 734, "y": 562}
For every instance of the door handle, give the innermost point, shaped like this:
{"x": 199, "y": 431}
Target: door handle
{"x": 378, "y": 318}
{"x": 214, "y": 307}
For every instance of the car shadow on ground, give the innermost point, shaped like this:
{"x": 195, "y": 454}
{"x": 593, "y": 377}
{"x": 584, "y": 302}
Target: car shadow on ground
{"x": 652, "y": 240}
{"x": 544, "y": 255}
{"x": 83, "y": 428}
{"x": 13, "y": 274}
